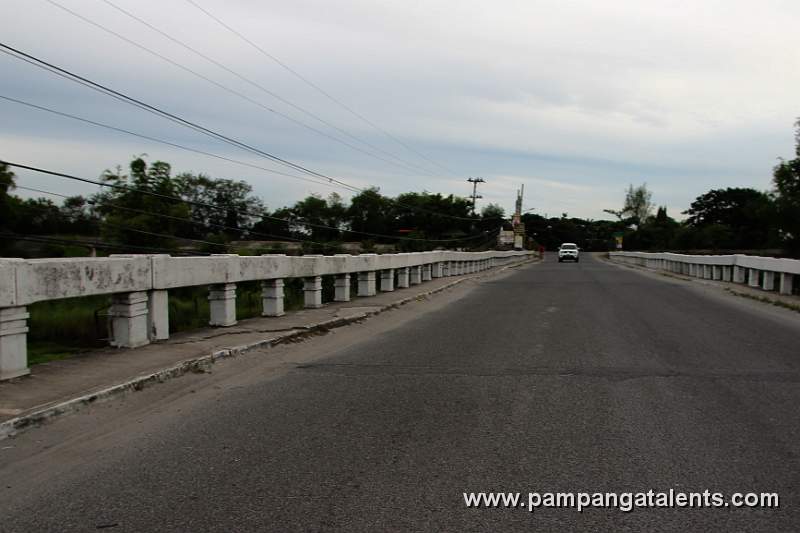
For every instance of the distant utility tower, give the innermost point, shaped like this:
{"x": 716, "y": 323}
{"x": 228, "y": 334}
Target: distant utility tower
{"x": 475, "y": 195}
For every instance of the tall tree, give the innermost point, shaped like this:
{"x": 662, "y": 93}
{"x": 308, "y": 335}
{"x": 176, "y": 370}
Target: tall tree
{"x": 130, "y": 215}
{"x": 638, "y": 205}
{"x": 786, "y": 178}
{"x": 6, "y": 186}
{"x": 219, "y": 202}
{"x": 733, "y": 218}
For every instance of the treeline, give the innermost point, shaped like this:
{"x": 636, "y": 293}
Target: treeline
{"x": 145, "y": 208}
{"x": 729, "y": 219}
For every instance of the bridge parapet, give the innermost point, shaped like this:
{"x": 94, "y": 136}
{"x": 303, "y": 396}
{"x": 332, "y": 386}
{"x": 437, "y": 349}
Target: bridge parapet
{"x": 138, "y": 286}
{"x": 756, "y": 271}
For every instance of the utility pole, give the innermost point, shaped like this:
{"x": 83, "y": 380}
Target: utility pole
{"x": 475, "y": 195}
{"x": 516, "y": 221}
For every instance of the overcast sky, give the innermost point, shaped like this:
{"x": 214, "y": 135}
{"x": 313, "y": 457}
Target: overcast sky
{"x": 575, "y": 99}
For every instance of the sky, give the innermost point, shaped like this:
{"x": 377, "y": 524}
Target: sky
{"x": 574, "y": 99}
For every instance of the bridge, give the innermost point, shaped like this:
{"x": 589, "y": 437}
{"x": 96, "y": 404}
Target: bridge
{"x": 139, "y": 285}
{"x": 634, "y": 373}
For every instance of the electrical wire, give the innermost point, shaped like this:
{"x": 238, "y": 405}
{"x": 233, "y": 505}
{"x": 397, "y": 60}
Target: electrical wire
{"x": 90, "y": 244}
{"x": 189, "y": 220}
{"x": 318, "y": 88}
{"x": 66, "y": 74}
{"x": 406, "y": 164}
{"x": 214, "y": 82}
{"x": 161, "y": 141}
{"x": 135, "y": 230}
{"x": 297, "y": 221}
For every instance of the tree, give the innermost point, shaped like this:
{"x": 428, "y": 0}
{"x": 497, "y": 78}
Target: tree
{"x": 371, "y": 212}
{"x": 219, "y": 202}
{"x": 492, "y": 211}
{"x": 78, "y": 218}
{"x": 6, "y": 185}
{"x": 131, "y": 216}
{"x": 731, "y": 218}
{"x": 658, "y": 233}
{"x": 324, "y": 217}
{"x": 638, "y": 205}
{"x": 786, "y": 178}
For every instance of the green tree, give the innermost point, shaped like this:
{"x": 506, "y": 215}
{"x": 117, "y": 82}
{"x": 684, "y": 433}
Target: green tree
{"x": 493, "y": 211}
{"x": 130, "y": 215}
{"x": 733, "y": 218}
{"x": 638, "y": 205}
{"x": 324, "y": 218}
{"x": 786, "y": 178}
{"x": 219, "y": 202}
{"x": 371, "y": 212}
{"x": 6, "y": 186}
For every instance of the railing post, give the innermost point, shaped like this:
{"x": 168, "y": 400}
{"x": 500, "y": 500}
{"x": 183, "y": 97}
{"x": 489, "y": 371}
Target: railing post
{"x": 341, "y": 285}
{"x": 717, "y": 272}
{"x": 158, "y": 315}
{"x": 769, "y": 281}
{"x": 786, "y": 283}
{"x": 402, "y": 278}
{"x": 752, "y": 275}
{"x": 387, "y": 280}
{"x": 436, "y": 270}
{"x": 312, "y": 292}
{"x": 366, "y": 283}
{"x": 726, "y": 273}
{"x": 272, "y": 297}
{"x": 426, "y": 272}
{"x": 416, "y": 275}
{"x": 13, "y": 342}
{"x": 222, "y": 304}
{"x": 129, "y": 319}
{"x": 739, "y": 274}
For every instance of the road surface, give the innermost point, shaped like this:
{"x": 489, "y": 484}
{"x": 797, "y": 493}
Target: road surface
{"x": 556, "y": 377}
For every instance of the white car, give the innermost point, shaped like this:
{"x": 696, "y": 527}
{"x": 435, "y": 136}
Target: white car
{"x": 568, "y": 251}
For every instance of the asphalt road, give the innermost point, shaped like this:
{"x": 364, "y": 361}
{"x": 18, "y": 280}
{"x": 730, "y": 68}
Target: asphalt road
{"x": 558, "y": 377}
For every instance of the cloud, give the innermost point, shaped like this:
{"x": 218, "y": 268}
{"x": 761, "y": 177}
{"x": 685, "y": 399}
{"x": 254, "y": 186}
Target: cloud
{"x": 574, "y": 98}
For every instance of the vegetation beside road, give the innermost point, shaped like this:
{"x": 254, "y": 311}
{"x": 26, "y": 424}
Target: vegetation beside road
{"x": 149, "y": 209}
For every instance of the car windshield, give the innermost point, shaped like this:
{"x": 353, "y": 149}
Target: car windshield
{"x": 568, "y": 246}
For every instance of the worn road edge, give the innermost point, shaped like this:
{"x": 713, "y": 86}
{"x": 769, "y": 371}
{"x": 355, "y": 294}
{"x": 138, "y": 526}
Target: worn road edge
{"x": 730, "y": 287}
{"x": 38, "y": 416}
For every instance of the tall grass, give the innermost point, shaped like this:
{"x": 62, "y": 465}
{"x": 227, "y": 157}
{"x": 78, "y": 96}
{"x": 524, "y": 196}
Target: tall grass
{"x": 61, "y": 328}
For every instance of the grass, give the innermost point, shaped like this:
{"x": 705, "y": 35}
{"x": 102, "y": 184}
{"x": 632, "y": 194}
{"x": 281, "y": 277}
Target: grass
{"x": 59, "y": 329}
{"x": 767, "y": 300}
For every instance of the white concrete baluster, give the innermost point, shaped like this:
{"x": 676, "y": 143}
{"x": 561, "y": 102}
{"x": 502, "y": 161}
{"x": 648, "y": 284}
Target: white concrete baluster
{"x": 222, "y": 304}
{"x": 129, "y": 320}
{"x": 13, "y": 342}
{"x": 272, "y": 296}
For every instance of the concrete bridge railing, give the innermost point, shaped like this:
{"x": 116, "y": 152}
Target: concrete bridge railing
{"x": 767, "y": 273}
{"x": 139, "y": 284}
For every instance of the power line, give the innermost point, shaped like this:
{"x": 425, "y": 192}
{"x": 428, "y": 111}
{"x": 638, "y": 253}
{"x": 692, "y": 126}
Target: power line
{"x": 220, "y": 85}
{"x": 318, "y": 88}
{"x": 189, "y": 220}
{"x": 135, "y": 230}
{"x": 161, "y": 141}
{"x": 91, "y": 244}
{"x": 406, "y": 164}
{"x": 66, "y": 74}
{"x": 203, "y": 204}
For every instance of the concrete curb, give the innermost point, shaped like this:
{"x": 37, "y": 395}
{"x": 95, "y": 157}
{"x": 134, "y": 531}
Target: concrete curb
{"x": 11, "y": 427}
